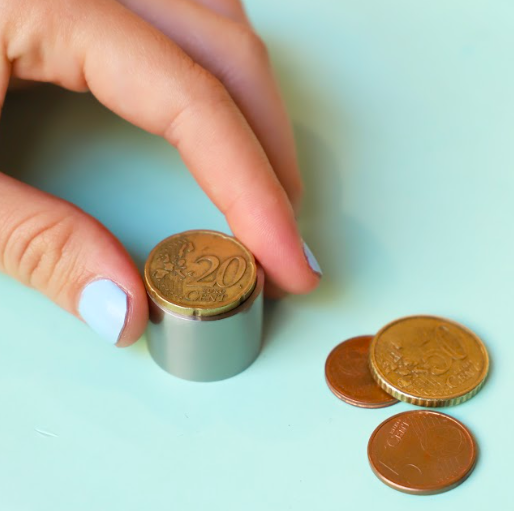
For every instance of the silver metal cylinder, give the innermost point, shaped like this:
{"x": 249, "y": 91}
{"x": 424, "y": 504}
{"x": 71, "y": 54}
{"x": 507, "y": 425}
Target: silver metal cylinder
{"x": 207, "y": 348}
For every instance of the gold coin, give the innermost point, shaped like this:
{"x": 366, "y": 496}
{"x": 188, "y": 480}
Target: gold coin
{"x": 200, "y": 273}
{"x": 428, "y": 361}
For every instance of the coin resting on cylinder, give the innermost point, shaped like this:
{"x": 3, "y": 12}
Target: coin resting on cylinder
{"x": 205, "y": 292}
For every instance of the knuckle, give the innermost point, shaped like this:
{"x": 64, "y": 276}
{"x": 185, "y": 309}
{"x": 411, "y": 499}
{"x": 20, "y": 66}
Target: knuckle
{"x": 32, "y": 32}
{"x": 204, "y": 83}
{"x": 205, "y": 92}
{"x": 39, "y": 251}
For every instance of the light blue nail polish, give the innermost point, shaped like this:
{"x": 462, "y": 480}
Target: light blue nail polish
{"x": 313, "y": 263}
{"x": 103, "y": 306}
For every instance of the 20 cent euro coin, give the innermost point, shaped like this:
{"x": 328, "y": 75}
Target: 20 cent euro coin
{"x": 200, "y": 273}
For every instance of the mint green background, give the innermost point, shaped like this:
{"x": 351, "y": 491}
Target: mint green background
{"x": 403, "y": 112}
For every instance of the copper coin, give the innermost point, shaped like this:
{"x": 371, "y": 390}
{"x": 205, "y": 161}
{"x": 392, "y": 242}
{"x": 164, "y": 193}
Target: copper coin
{"x": 349, "y": 378}
{"x": 422, "y": 452}
{"x": 429, "y": 361}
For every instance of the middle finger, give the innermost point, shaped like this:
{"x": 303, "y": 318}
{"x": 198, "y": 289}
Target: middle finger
{"x": 239, "y": 59}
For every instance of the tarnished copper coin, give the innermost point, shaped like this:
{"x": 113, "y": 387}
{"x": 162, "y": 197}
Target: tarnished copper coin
{"x": 200, "y": 273}
{"x": 428, "y": 361}
{"x": 348, "y": 376}
{"x": 422, "y": 452}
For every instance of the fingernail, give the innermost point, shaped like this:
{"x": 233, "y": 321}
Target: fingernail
{"x": 103, "y": 306}
{"x": 313, "y": 262}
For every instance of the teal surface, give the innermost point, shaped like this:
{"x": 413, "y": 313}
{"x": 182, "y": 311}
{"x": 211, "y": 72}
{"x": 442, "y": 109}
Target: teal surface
{"x": 404, "y": 116}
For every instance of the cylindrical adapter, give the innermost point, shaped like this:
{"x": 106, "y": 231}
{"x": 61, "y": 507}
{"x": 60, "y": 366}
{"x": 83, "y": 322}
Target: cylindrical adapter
{"x": 206, "y": 302}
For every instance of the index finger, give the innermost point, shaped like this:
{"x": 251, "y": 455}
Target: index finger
{"x": 145, "y": 78}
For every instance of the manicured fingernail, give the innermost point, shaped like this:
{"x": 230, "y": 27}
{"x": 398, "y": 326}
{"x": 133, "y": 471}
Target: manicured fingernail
{"x": 103, "y": 306}
{"x": 313, "y": 263}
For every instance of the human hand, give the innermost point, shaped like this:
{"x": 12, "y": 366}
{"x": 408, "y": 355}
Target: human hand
{"x": 191, "y": 71}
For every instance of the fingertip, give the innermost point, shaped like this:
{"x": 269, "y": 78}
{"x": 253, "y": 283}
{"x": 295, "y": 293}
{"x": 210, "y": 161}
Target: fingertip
{"x": 296, "y": 192}
{"x": 312, "y": 261}
{"x": 307, "y": 284}
{"x": 274, "y": 292}
{"x": 118, "y": 315}
{"x": 299, "y": 277}
{"x": 308, "y": 275}
{"x": 296, "y": 203}
{"x": 103, "y": 306}
{"x": 137, "y": 317}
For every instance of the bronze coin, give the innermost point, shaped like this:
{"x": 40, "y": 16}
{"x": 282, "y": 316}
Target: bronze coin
{"x": 349, "y": 378}
{"x": 200, "y": 273}
{"x": 428, "y": 361}
{"x": 422, "y": 452}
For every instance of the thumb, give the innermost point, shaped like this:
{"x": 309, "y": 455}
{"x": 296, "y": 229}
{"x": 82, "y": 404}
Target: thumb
{"x": 56, "y": 248}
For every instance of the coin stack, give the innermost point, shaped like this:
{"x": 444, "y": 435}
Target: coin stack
{"x": 205, "y": 296}
{"x": 426, "y": 361}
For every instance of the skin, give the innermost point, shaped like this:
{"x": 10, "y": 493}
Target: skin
{"x": 191, "y": 71}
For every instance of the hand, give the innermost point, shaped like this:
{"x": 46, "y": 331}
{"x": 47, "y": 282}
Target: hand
{"x": 191, "y": 71}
